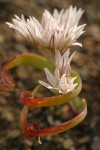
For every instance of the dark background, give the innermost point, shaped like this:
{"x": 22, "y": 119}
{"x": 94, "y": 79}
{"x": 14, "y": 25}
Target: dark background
{"x": 86, "y": 62}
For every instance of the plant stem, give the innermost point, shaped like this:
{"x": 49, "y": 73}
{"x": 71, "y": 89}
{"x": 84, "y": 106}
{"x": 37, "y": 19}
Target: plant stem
{"x": 73, "y": 109}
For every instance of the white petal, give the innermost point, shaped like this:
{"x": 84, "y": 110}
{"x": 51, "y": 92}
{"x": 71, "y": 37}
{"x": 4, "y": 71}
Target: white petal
{"x": 73, "y": 79}
{"x": 76, "y": 43}
{"x": 44, "y": 83}
{"x": 50, "y": 77}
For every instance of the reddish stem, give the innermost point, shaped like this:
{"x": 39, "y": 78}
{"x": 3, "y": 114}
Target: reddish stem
{"x": 73, "y": 109}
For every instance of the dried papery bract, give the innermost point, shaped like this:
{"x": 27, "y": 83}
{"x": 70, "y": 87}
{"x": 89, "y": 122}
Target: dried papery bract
{"x": 59, "y": 30}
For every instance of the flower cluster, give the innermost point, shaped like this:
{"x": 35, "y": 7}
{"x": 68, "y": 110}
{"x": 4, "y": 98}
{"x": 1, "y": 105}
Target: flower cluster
{"x": 59, "y": 30}
{"x": 61, "y": 81}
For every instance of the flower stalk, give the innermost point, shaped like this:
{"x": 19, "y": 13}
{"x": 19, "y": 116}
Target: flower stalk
{"x": 58, "y": 30}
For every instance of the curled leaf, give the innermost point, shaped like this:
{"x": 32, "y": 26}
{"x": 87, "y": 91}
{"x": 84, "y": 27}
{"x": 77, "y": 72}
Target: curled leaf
{"x": 31, "y": 130}
{"x": 27, "y": 59}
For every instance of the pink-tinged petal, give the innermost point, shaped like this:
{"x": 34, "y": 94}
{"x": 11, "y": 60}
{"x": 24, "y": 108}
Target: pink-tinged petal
{"x": 79, "y": 31}
{"x": 56, "y": 73}
{"x": 58, "y": 59}
{"x": 49, "y": 76}
{"x": 56, "y": 31}
{"x": 71, "y": 57}
{"x": 44, "y": 84}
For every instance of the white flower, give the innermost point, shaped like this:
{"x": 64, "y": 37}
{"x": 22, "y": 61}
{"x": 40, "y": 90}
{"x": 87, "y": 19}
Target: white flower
{"x": 61, "y": 81}
{"x": 59, "y": 30}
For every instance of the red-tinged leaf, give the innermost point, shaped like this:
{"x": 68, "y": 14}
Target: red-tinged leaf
{"x": 9, "y": 83}
{"x": 27, "y": 59}
{"x": 31, "y": 130}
